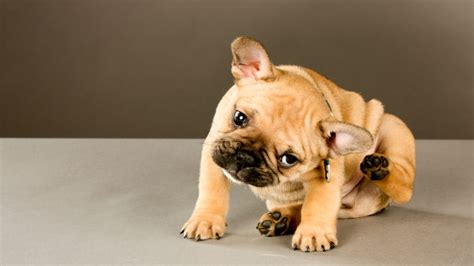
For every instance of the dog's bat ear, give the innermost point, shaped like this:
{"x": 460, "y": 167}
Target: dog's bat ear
{"x": 250, "y": 61}
{"x": 344, "y": 138}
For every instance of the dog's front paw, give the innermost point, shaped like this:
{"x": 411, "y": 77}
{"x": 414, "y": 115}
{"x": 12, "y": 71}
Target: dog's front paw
{"x": 375, "y": 166}
{"x": 204, "y": 226}
{"x": 314, "y": 237}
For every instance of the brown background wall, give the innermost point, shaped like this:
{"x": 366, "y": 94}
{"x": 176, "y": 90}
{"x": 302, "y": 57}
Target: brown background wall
{"x": 97, "y": 68}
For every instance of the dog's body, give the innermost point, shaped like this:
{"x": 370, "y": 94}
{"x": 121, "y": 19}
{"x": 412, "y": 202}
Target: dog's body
{"x": 284, "y": 130}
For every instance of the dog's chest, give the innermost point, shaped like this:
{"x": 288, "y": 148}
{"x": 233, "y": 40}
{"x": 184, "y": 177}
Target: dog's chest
{"x": 284, "y": 193}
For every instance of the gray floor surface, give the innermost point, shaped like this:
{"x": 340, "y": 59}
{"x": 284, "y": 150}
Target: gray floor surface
{"x": 110, "y": 201}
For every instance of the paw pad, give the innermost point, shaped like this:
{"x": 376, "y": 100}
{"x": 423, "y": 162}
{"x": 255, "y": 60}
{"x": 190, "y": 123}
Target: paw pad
{"x": 275, "y": 225}
{"x": 375, "y": 166}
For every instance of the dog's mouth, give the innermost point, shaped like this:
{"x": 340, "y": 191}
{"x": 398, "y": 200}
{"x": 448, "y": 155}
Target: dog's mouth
{"x": 251, "y": 176}
{"x": 232, "y": 177}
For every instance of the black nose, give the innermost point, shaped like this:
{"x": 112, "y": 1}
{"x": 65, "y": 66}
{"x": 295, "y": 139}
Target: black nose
{"x": 242, "y": 159}
{"x": 236, "y": 157}
{"x": 246, "y": 158}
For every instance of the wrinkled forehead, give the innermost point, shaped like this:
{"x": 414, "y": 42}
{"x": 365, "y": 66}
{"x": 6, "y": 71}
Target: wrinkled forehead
{"x": 277, "y": 106}
{"x": 274, "y": 104}
{"x": 284, "y": 121}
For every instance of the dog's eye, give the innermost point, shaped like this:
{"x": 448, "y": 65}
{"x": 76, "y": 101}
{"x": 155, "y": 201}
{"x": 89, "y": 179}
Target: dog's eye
{"x": 240, "y": 119}
{"x": 288, "y": 160}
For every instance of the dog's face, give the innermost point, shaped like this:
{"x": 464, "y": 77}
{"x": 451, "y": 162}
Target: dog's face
{"x": 279, "y": 127}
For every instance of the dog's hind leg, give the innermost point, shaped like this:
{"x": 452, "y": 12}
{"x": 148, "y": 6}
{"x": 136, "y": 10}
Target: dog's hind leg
{"x": 392, "y": 167}
{"x": 280, "y": 220}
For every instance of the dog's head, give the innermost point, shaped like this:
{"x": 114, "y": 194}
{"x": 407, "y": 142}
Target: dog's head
{"x": 279, "y": 127}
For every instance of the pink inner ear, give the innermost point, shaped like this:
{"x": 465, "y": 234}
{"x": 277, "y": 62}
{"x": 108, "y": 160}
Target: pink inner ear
{"x": 256, "y": 65}
{"x": 343, "y": 140}
{"x": 250, "y": 69}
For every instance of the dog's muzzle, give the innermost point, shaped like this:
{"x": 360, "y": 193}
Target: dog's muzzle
{"x": 241, "y": 163}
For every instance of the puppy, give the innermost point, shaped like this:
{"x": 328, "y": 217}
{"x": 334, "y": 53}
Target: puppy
{"x": 313, "y": 151}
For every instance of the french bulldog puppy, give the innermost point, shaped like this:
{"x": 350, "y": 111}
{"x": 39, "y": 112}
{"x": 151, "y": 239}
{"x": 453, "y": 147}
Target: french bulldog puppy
{"x": 313, "y": 151}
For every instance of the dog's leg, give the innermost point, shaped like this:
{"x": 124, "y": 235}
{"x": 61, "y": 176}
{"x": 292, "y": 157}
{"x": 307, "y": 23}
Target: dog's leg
{"x": 280, "y": 220}
{"x": 317, "y": 229}
{"x": 208, "y": 218}
{"x": 392, "y": 167}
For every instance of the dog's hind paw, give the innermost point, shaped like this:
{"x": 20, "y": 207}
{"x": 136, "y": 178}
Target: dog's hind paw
{"x": 273, "y": 224}
{"x": 375, "y": 166}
